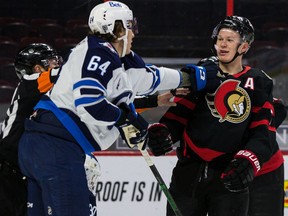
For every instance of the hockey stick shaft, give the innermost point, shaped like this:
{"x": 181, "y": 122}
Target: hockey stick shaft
{"x": 162, "y": 184}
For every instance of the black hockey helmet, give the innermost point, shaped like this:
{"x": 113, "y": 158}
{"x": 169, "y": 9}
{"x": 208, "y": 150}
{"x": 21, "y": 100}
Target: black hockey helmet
{"x": 33, "y": 54}
{"x": 239, "y": 24}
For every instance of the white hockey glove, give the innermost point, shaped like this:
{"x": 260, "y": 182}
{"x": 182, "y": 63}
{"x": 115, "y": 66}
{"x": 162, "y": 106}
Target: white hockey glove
{"x": 93, "y": 171}
{"x": 134, "y": 137}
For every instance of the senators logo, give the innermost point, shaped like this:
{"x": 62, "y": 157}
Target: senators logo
{"x": 230, "y": 102}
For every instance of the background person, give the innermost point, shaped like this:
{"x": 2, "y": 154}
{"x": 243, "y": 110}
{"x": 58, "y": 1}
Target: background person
{"x": 32, "y": 66}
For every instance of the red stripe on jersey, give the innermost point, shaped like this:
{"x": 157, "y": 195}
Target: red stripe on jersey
{"x": 256, "y": 109}
{"x": 172, "y": 116}
{"x": 187, "y": 103}
{"x": 272, "y": 128}
{"x": 246, "y": 68}
{"x": 205, "y": 153}
{"x": 267, "y": 105}
{"x": 270, "y": 106}
{"x": 177, "y": 99}
{"x": 275, "y": 161}
{"x": 262, "y": 122}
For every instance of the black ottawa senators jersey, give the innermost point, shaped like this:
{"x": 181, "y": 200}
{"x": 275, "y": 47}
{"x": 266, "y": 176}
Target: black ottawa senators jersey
{"x": 237, "y": 115}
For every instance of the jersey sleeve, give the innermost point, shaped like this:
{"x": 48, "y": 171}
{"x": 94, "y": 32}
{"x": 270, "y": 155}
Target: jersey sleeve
{"x": 147, "y": 79}
{"x": 261, "y": 135}
{"x": 280, "y": 111}
{"x": 176, "y": 119}
{"x": 149, "y": 101}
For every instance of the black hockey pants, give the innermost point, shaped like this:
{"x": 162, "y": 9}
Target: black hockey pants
{"x": 198, "y": 191}
{"x": 13, "y": 191}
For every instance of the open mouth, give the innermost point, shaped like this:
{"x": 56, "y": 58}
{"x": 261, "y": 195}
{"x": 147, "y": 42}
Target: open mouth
{"x": 223, "y": 52}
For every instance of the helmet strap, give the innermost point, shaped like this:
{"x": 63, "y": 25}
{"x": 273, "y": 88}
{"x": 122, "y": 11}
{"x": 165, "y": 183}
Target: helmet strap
{"x": 235, "y": 56}
{"x": 125, "y": 42}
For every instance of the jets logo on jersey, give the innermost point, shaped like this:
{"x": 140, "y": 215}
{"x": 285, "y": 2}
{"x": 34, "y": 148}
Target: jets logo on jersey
{"x": 230, "y": 102}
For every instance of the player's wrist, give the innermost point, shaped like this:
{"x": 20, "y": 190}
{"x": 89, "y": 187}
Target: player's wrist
{"x": 251, "y": 157}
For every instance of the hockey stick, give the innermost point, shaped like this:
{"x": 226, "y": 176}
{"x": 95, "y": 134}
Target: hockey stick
{"x": 162, "y": 184}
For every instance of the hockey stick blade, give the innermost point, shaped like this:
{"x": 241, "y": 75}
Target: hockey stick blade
{"x": 161, "y": 182}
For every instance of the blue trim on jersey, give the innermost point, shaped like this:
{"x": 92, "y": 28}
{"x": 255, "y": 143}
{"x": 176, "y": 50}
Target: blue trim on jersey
{"x": 181, "y": 78}
{"x": 88, "y": 83}
{"x": 126, "y": 94}
{"x": 87, "y": 100}
{"x": 156, "y": 77}
{"x": 68, "y": 123}
{"x": 88, "y": 88}
{"x": 133, "y": 109}
{"x": 157, "y": 80}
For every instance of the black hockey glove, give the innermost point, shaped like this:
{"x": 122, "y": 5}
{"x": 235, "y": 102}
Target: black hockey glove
{"x": 160, "y": 141}
{"x": 204, "y": 76}
{"x": 132, "y": 127}
{"x": 213, "y": 59}
{"x": 241, "y": 171}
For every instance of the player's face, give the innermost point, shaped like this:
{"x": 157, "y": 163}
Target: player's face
{"x": 130, "y": 37}
{"x": 227, "y": 44}
{"x": 55, "y": 62}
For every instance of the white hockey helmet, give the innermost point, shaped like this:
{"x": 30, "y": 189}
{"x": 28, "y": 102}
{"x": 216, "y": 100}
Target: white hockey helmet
{"x": 103, "y": 16}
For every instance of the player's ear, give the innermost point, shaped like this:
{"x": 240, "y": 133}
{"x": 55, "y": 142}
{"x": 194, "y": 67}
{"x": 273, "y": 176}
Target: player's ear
{"x": 244, "y": 47}
{"x": 37, "y": 69}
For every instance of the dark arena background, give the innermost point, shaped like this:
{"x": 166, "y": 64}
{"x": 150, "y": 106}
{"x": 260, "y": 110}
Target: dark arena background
{"x": 171, "y": 33}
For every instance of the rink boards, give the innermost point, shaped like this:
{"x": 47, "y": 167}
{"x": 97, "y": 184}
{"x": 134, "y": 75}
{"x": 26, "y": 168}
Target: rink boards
{"x": 128, "y": 187}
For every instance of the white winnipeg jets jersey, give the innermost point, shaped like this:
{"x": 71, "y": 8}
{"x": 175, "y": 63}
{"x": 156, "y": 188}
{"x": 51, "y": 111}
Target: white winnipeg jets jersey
{"x": 93, "y": 81}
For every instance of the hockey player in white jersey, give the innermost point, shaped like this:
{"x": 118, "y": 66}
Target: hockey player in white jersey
{"x": 90, "y": 103}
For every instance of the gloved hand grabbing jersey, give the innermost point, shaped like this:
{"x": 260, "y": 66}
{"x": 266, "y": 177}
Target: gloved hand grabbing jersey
{"x": 132, "y": 127}
{"x": 160, "y": 141}
{"x": 206, "y": 75}
{"x": 241, "y": 171}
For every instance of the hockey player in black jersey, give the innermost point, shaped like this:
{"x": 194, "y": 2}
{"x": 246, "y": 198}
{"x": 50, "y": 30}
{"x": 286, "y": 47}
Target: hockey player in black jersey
{"x": 32, "y": 65}
{"x": 228, "y": 152}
